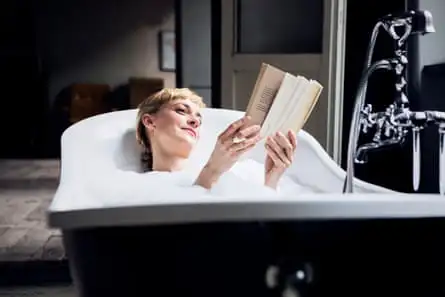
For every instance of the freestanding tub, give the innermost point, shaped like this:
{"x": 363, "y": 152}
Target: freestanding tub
{"x": 372, "y": 243}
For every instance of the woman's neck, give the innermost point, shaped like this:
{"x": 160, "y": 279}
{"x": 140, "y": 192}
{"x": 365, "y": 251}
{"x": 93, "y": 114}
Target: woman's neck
{"x": 168, "y": 163}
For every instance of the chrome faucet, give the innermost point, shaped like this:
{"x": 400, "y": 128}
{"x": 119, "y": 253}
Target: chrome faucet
{"x": 391, "y": 126}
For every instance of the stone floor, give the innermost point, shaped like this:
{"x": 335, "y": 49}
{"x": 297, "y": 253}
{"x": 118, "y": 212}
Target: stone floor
{"x": 26, "y": 190}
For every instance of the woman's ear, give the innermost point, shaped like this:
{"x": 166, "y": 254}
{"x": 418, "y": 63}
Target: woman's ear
{"x": 148, "y": 121}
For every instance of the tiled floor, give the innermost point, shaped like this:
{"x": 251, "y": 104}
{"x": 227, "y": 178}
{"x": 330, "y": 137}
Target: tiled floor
{"x": 29, "y": 174}
{"x": 26, "y": 190}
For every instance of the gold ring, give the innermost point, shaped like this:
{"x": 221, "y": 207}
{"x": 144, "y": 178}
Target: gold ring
{"x": 238, "y": 139}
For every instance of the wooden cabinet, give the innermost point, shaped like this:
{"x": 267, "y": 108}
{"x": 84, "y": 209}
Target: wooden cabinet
{"x": 141, "y": 88}
{"x": 87, "y": 100}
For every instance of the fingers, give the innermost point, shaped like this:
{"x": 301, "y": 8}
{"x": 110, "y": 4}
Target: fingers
{"x": 248, "y": 142}
{"x": 285, "y": 145}
{"x": 274, "y": 156}
{"x": 281, "y": 148}
{"x": 245, "y": 149}
{"x": 274, "y": 143}
{"x": 245, "y": 133}
{"x": 293, "y": 139}
{"x": 229, "y": 133}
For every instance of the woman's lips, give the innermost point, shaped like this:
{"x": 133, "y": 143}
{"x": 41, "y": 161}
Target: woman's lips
{"x": 191, "y": 132}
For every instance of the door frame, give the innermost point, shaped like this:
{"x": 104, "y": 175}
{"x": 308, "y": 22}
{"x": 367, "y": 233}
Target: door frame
{"x": 331, "y": 61}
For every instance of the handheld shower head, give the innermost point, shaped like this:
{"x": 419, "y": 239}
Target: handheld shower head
{"x": 422, "y": 22}
{"x": 414, "y": 22}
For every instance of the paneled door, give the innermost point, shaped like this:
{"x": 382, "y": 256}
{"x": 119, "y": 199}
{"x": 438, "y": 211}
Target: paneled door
{"x": 303, "y": 37}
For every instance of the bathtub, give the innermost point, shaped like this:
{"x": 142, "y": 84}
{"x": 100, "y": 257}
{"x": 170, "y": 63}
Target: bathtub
{"x": 374, "y": 241}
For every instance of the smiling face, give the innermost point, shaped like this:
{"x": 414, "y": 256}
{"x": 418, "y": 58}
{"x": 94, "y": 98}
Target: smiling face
{"x": 168, "y": 126}
{"x": 175, "y": 127}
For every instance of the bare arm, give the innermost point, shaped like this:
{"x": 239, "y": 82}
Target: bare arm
{"x": 207, "y": 178}
{"x": 227, "y": 152}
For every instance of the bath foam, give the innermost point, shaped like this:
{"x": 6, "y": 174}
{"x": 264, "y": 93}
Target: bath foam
{"x": 126, "y": 188}
{"x": 247, "y": 178}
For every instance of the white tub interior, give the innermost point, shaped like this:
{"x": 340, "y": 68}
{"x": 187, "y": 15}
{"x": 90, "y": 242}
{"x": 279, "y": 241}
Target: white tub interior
{"x": 106, "y": 143}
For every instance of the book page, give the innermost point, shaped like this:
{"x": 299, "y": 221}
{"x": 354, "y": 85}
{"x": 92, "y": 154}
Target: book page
{"x": 317, "y": 88}
{"x": 302, "y": 110}
{"x": 266, "y": 87}
{"x": 292, "y": 105}
{"x": 282, "y": 103}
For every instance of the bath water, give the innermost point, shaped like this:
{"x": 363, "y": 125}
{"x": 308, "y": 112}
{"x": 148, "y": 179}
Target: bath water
{"x": 110, "y": 187}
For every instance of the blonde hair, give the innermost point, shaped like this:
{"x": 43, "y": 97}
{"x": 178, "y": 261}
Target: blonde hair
{"x": 152, "y": 105}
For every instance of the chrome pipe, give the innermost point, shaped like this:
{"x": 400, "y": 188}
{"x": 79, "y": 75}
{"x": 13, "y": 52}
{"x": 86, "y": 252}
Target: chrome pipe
{"x": 442, "y": 159}
{"x": 416, "y": 158}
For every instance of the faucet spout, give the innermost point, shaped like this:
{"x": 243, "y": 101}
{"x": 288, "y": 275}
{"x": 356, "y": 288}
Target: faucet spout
{"x": 362, "y": 151}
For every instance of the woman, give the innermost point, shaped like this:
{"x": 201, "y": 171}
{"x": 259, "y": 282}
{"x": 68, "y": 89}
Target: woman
{"x": 168, "y": 125}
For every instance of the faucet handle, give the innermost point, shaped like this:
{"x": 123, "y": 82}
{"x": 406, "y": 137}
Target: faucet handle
{"x": 366, "y": 120}
{"x": 389, "y": 130}
{"x": 368, "y": 108}
{"x": 390, "y": 110}
{"x": 365, "y": 125}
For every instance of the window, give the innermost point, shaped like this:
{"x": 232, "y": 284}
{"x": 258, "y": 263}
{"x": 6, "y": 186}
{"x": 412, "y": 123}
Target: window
{"x": 279, "y": 26}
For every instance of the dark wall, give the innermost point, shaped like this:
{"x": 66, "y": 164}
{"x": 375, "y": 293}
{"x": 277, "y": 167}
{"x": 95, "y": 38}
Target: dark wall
{"x": 391, "y": 167}
{"x": 47, "y": 45}
{"x": 22, "y": 80}
{"x": 102, "y": 41}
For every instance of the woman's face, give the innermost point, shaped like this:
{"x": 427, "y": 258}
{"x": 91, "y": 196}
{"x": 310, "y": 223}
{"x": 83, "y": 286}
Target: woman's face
{"x": 175, "y": 127}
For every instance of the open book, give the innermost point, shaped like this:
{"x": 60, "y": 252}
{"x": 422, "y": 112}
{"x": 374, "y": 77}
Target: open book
{"x": 281, "y": 101}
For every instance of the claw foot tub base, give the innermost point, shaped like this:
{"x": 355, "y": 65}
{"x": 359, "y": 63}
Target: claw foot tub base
{"x": 347, "y": 258}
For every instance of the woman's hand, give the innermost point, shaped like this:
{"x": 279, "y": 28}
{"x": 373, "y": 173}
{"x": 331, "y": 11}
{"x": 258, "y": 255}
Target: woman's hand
{"x": 227, "y": 151}
{"x": 280, "y": 151}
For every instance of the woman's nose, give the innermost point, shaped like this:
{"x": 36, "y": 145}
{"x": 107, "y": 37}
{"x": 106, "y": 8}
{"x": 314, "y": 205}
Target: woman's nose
{"x": 194, "y": 122}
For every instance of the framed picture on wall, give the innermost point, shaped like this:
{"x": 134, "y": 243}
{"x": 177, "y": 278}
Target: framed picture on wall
{"x": 167, "y": 51}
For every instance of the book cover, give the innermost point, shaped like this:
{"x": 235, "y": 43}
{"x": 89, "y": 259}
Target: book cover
{"x": 266, "y": 87}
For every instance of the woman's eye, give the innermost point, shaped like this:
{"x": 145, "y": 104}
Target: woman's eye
{"x": 180, "y": 110}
